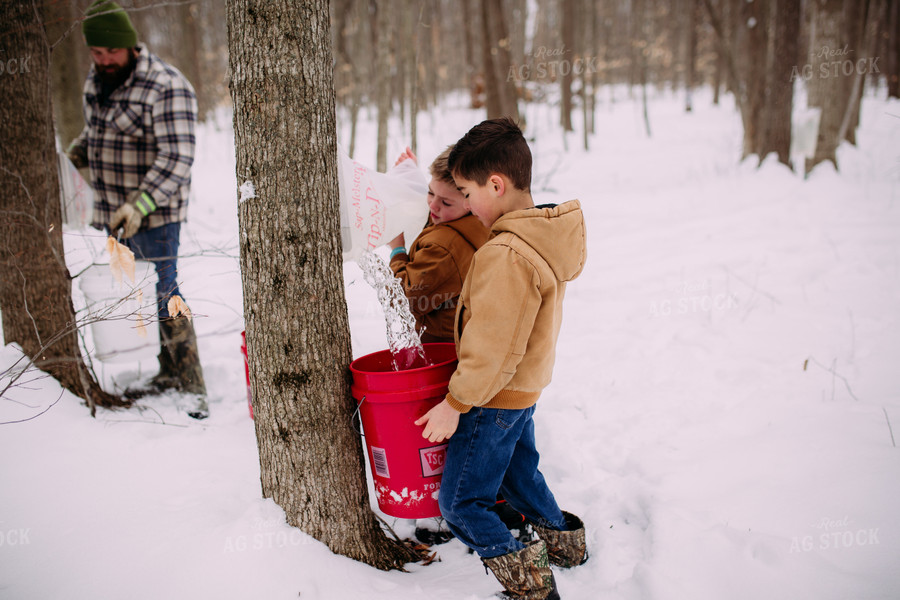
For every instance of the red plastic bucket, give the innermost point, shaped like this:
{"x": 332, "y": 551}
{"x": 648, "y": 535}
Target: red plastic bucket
{"x": 406, "y": 467}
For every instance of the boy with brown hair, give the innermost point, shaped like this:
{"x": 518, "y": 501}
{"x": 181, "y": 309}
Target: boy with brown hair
{"x": 507, "y": 324}
{"x": 432, "y": 271}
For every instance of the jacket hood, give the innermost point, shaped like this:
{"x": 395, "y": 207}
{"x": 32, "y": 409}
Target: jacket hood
{"x": 557, "y": 233}
{"x": 470, "y": 229}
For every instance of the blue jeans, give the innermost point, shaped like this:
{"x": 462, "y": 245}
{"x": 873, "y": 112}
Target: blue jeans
{"x": 493, "y": 451}
{"x": 159, "y": 246}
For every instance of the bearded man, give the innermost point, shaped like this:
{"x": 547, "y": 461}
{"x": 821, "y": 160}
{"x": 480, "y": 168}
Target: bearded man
{"x": 138, "y": 142}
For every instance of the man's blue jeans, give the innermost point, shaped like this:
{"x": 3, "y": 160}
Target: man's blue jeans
{"x": 493, "y": 450}
{"x": 159, "y": 246}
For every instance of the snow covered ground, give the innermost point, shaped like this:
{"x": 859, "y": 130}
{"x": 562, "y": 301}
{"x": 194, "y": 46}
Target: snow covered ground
{"x": 724, "y": 414}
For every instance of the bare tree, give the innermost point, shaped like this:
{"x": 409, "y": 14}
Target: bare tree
{"x": 35, "y": 286}
{"x": 751, "y": 47}
{"x": 68, "y": 65}
{"x": 502, "y": 99}
{"x": 298, "y": 337}
{"x": 640, "y": 52}
{"x": 762, "y": 80}
{"x": 382, "y": 37}
{"x": 568, "y": 40}
{"x": 892, "y": 46}
{"x": 780, "y": 87}
{"x": 690, "y": 68}
{"x": 827, "y": 88}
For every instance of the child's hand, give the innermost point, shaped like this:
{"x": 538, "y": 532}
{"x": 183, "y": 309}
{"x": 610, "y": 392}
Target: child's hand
{"x": 440, "y": 422}
{"x": 407, "y": 155}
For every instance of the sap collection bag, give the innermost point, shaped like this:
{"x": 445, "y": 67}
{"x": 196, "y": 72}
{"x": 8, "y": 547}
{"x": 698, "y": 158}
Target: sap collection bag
{"x": 377, "y": 207}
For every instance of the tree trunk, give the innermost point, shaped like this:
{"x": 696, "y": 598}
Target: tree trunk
{"x": 745, "y": 62}
{"x": 568, "y": 41}
{"x": 893, "y": 49}
{"x": 35, "y": 286}
{"x": 191, "y": 49}
{"x": 382, "y": 78}
{"x": 493, "y": 95}
{"x": 469, "y": 50}
{"x": 719, "y": 75}
{"x": 752, "y": 42}
{"x": 639, "y": 40}
{"x": 68, "y": 65}
{"x": 411, "y": 19}
{"x": 690, "y": 75}
{"x": 500, "y": 88}
{"x": 855, "y": 16}
{"x": 780, "y": 97}
{"x": 298, "y": 338}
{"x": 827, "y": 88}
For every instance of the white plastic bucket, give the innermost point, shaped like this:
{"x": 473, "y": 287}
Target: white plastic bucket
{"x": 118, "y": 310}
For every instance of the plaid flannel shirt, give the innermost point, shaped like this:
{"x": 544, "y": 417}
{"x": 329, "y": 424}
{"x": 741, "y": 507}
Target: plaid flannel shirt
{"x": 142, "y": 138}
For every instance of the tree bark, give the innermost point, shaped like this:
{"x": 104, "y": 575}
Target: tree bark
{"x": 745, "y": 62}
{"x": 827, "y": 88}
{"x": 780, "y": 96}
{"x": 893, "y": 49}
{"x": 690, "y": 75}
{"x": 298, "y": 338}
{"x": 568, "y": 40}
{"x": 720, "y": 73}
{"x": 68, "y": 65}
{"x": 500, "y": 89}
{"x": 855, "y": 16}
{"x": 382, "y": 78}
{"x": 191, "y": 50}
{"x": 35, "y": 286}
{"x": 752, "y": 41}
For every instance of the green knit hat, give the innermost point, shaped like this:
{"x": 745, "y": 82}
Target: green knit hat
{"x": 106, "y": 25}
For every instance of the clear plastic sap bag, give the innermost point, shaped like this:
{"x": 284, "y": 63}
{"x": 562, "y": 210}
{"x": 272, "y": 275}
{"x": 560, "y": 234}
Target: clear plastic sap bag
{"x": 377, "y": 207}
{"x": 76, "y": 195}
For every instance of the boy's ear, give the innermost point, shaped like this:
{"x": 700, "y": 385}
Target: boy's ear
{"x": 496, "y": 184}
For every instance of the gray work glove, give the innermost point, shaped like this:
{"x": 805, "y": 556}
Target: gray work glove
{"x": 129, "y": 215}
{"x": 78, "y": 155}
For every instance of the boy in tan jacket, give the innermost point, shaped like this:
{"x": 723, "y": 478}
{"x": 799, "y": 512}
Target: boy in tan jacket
{"x": 507, "y": 324}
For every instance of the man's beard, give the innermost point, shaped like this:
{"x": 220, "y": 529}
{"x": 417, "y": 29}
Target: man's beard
{"x": 112, "y": 76}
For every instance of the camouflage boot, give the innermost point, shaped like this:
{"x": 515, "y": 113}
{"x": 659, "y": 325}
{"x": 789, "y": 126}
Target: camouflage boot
{"x": 526, "y": 574}
{"x": 166, "y": 379}
{"x": 565, "y": 548}
{"x": 181, "y": 343}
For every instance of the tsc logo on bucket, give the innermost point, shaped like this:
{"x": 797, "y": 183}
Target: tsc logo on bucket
{"x": 433, "y": 460}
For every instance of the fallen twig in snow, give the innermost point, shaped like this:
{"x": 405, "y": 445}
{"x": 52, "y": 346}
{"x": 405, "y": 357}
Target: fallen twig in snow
{"x": 833, "y": 375}
{"x": 890, "y": 429}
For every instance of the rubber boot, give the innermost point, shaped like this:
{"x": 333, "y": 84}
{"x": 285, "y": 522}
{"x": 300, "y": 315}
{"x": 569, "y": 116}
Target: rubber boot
{"x": 565, "y": 548}
{"x": 166, "y": 379}
{"x": 526, "y": 574}
{"x": 180, "y": 341}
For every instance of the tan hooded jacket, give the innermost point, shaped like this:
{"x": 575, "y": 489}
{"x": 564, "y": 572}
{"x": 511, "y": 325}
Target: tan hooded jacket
{"x": 510, "y": 308}
{"x": 433, "y": 273}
